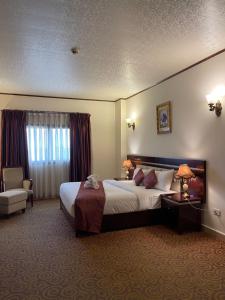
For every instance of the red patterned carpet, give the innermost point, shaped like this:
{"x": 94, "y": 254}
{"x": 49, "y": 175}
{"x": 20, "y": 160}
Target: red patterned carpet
{"x": 40, "y": 258}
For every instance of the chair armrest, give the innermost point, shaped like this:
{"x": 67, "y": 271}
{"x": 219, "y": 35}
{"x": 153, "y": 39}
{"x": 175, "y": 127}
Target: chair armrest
{"x": 27, "y": 184}
{"x": 3, "y": 185}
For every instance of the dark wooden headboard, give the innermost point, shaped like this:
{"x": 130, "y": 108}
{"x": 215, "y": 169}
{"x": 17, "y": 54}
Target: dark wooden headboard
{"x": 197, "y": 186}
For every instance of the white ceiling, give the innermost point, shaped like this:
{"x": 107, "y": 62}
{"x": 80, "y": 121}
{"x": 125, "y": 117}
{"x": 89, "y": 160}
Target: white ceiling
{"x": 125, "y": 45}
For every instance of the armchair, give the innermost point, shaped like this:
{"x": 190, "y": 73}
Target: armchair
{"x": 13, "y": 179}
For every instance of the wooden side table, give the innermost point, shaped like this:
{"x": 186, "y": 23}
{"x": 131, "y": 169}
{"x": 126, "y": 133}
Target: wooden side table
{"x": 182, "y": 215}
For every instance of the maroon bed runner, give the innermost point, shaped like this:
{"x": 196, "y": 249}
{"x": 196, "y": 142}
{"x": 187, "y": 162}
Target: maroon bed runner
{"x": 89, "y": 206}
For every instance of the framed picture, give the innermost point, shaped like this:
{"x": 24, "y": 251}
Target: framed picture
{"x": 164, "y": 122}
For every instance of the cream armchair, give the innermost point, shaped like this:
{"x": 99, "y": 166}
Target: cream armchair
{"x": 13, "y": 179}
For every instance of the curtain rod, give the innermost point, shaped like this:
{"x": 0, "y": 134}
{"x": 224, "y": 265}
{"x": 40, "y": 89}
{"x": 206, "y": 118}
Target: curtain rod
{"x": 46, "y": 111}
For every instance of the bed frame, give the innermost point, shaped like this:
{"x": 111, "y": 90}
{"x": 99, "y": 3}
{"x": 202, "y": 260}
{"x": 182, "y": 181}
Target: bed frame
{"x": 151, "y": 216}
{"x": 121, "y": 221}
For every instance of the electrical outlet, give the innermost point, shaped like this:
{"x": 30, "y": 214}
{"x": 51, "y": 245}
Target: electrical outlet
{"x": 217, "y": 212}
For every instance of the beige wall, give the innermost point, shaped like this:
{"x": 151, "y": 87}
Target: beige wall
{"x": 196, "y": 133}
{"x": 120, "y": 140}
{"x": 102, "y": 125}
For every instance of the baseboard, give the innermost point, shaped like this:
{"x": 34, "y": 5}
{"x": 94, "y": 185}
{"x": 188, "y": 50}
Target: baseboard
{"x": 213, "y": 232}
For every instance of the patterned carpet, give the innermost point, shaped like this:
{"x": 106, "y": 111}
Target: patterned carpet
{"x": 40, "y": 258}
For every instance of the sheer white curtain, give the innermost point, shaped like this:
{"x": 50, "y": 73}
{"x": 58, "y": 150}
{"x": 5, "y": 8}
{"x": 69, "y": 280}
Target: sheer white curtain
{"x": 48, "y": 137}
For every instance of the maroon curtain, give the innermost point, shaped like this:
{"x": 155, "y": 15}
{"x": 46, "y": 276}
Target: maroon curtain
{"x": 14, "y": 151}
{"x": 80, "y": 146}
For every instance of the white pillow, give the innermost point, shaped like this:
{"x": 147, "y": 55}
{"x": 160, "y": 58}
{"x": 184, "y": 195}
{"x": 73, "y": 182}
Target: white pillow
{"x": 175, "y": 185}
{"x": 164, "y": 180}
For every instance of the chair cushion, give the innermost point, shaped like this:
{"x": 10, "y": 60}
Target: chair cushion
{"x": 12, "y": 177}
{"x": 10, "y": 197}
{"x": 29, "y": 192}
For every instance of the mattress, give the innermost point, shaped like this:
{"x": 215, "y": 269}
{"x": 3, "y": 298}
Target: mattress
{"x": 121, "y": 197}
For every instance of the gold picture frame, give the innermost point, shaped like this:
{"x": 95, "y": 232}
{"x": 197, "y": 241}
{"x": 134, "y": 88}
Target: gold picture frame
{"x": 164, "y": 122}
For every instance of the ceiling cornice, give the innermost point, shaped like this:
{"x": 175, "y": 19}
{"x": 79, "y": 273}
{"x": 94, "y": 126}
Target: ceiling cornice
{"x": 56, "y": 97}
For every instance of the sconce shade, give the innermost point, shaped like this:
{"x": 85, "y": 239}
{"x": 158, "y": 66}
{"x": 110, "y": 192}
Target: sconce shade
{"x": 210, "y": 99}
{"x": 127, "y": 164}
{"x": 184, "y": 172}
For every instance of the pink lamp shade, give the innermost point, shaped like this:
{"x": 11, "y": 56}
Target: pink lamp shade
{"x": 184, "y": 172}
{"x": 127, "y": 164}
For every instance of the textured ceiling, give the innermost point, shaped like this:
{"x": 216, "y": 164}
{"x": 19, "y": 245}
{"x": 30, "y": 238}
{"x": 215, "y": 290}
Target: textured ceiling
{"x": 125, "y": 45}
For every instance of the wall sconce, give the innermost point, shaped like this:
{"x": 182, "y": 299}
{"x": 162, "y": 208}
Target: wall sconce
{"x": 130, "y": 123}
{"x": 214, "y": 100}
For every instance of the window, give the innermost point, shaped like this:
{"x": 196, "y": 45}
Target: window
{"x": 48, "y": 144}
{"x": 48, "y": 141}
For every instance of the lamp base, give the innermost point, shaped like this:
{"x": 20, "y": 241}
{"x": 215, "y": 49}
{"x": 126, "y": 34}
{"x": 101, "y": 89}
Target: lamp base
{"x": 184, "y": 189}
{"x": 185, "y": 195}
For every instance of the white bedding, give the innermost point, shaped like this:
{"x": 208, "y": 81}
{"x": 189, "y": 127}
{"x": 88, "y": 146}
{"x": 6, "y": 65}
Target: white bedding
{"x": 121, "y": 196}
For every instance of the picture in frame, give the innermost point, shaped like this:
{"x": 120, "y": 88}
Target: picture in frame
{"x": 164, "y": 122}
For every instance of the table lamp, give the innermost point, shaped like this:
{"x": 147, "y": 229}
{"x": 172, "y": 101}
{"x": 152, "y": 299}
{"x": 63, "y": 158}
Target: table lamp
{"x": 184, "y": 173}
{"x": 127, "y": 165}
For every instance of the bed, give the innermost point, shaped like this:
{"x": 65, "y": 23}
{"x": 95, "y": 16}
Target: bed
{"x": 128, "y": 205}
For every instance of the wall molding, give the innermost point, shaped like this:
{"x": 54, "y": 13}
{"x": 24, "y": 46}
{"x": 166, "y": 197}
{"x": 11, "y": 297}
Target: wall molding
{"x": 213, "y": 232}
{"x": 55, "y": 97}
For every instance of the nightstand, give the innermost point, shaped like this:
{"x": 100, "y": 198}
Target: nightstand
{"x": 182, "y": 215}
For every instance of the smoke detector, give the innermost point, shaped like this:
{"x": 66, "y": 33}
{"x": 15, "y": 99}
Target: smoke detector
{"x": 75, "y": 50}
